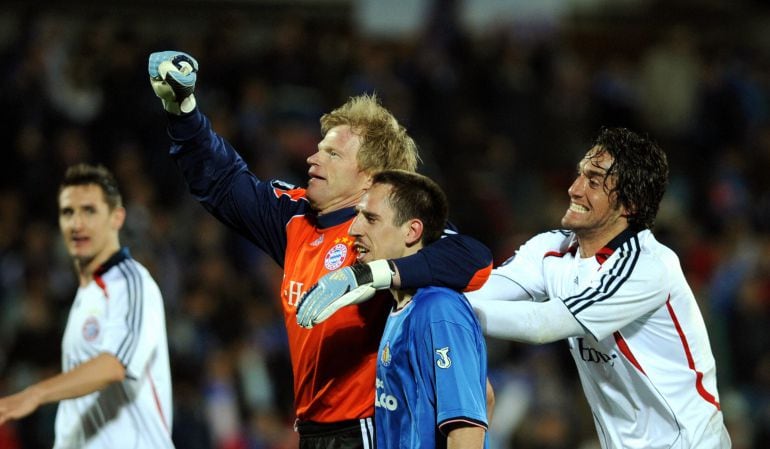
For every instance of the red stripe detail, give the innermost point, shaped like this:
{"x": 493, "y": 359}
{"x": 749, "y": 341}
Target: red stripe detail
{"x": 479, "y": 278}
{"x": 621, "y": 342}
{"x": 157, "y": 400}
{"x": 603, "y": 254}
{"x": 690, "y": 362}
{"x": 571, "y": 250}
{"x": 100, "y": 282}
{"x": 294, "y": 194}
{"x": 554, "y": 253}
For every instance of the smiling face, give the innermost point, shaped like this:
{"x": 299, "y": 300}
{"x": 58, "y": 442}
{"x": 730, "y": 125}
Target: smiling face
{"x": 376, "y": 234}
{"x": 336, "y": 181}
{"x": 89, "y": 227}
{"x": 594, "y": 214}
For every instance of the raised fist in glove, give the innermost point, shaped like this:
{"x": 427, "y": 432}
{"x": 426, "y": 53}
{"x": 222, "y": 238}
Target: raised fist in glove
{"x": 350, "y": 285}
{"x": 172, "y": 76}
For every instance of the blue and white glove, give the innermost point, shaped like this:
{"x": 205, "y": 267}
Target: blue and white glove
{"x": 350, "y": 285}
{"x": 172, "y": 76}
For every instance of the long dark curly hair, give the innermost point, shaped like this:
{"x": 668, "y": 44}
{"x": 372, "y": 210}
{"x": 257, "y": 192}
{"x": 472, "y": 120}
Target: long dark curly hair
{"x": 640, "y": 171}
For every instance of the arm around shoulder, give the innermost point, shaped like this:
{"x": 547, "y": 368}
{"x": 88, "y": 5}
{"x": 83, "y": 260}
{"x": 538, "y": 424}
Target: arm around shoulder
{"x": 455, "y": 261}
{"x": 526, "y": 321}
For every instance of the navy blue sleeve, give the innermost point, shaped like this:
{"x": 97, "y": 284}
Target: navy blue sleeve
{"x": 220, "y": 180}
{"x": 455, "y": 261}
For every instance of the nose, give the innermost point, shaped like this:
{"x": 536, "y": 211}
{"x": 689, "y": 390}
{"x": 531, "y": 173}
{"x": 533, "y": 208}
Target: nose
{"x": 577, "y": 187}
{"x": 313, "y": 159}
{"x": 77, "y": 221}
{"x": 72, "y": 222}
{"x": 355, "y": 227}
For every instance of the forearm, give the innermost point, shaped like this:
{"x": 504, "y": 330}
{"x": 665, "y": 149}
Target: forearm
{"x": 490, "y": 402}
{"x": 207, "y": 162}
{"x": 469, "y": 437}
{"x": 526, "y": 321}
{"x": 455, "y": 261}
{"x": 91, "y": 376}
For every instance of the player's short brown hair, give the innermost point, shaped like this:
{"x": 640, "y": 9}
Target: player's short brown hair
{"x": 85, "y": 174}
{"x": 384, "y": 142}
{"x": 413, "y": 195}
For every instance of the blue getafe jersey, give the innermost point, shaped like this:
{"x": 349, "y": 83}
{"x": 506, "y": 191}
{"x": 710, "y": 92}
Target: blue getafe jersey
{"x": 431, "y": 371}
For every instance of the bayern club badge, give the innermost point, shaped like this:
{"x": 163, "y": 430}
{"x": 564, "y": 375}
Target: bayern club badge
{"x": 91, "y": 329}
{"x": 335, "y": 257}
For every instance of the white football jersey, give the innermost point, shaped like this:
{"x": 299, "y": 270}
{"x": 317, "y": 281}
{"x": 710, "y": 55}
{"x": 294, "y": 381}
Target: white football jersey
{"x": 119, "y": 312}
{"x": 645, "y": 360}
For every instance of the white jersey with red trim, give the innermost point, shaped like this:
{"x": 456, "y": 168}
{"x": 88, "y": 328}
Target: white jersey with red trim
{"x": 119, "y": 312}
{"x": 645, "y": 360}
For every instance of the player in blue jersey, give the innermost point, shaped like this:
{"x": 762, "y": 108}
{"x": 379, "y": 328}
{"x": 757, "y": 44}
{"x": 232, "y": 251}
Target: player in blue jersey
{"x": 431, "y": 362}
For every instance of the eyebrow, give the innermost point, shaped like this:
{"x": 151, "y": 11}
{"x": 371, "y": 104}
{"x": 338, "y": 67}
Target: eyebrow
{"x": 367, "y": 214}
{"x": 591, "y": 169}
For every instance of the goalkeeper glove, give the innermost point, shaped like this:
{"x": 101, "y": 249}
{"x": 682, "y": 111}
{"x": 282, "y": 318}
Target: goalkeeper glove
{"x": 350, "y": 285}
{"x": 172, "y": 76}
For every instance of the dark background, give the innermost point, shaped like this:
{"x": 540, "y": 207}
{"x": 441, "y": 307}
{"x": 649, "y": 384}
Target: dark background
{"x": 503, "y": 98}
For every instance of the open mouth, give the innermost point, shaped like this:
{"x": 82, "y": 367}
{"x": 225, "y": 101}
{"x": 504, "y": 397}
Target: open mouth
{"x": 577, "y": 208}
{"x": 361, "y": 251}
{"x": 79, "y": 242}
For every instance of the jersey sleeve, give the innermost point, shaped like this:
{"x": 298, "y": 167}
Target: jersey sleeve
{"x": 455, "y": 261}
{"x": 630, "y": 284}
{"x": 136, "y": 320}
{"x": 453, "y": 354}
{"x": 220, "y": 180}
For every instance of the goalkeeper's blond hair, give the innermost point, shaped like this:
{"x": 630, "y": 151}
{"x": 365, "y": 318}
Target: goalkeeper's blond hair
{"x": 385, "y": 145}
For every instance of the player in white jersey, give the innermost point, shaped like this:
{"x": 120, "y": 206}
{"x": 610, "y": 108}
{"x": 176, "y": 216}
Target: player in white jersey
{"x": 621, "y": 300}
{"x": 115, "y": 385}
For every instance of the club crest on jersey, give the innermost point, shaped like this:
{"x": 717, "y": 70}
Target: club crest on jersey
{"x": 335, "y": 257}
{"x": 444, "y": 361}
{"x": 91, "y": 329}
{"x": 385, "y": 355}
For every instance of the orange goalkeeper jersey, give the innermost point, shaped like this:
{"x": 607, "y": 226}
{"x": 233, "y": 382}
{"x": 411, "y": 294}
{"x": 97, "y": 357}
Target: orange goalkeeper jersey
{"x": 334, "y": 362}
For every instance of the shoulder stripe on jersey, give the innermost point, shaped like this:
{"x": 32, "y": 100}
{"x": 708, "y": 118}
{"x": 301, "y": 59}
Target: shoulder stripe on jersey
{"x": 611, "y": 281}
{"x": 708, "y": 397}
{"x": 134, "y": 313}
{"x": 138, "y": 310}
{"x": 130, "y": 312}
{"x": 129, "y": 308}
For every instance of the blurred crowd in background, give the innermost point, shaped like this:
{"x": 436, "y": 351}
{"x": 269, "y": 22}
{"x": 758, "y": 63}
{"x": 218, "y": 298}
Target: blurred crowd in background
{"x": 502, "y": 113}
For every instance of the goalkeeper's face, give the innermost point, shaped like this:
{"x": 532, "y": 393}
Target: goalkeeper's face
{"x": 335, "y": 179}
{"x": 377, "y": 236}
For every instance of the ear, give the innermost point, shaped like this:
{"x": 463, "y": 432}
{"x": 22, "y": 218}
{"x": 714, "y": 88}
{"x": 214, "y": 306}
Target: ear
{"x": 626, "y": 212}
{"x": 367, "y": 181}
{"x": 413, "y": 229}
{"x": 118, "y": 217}
{"x": 623, "y": 210}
